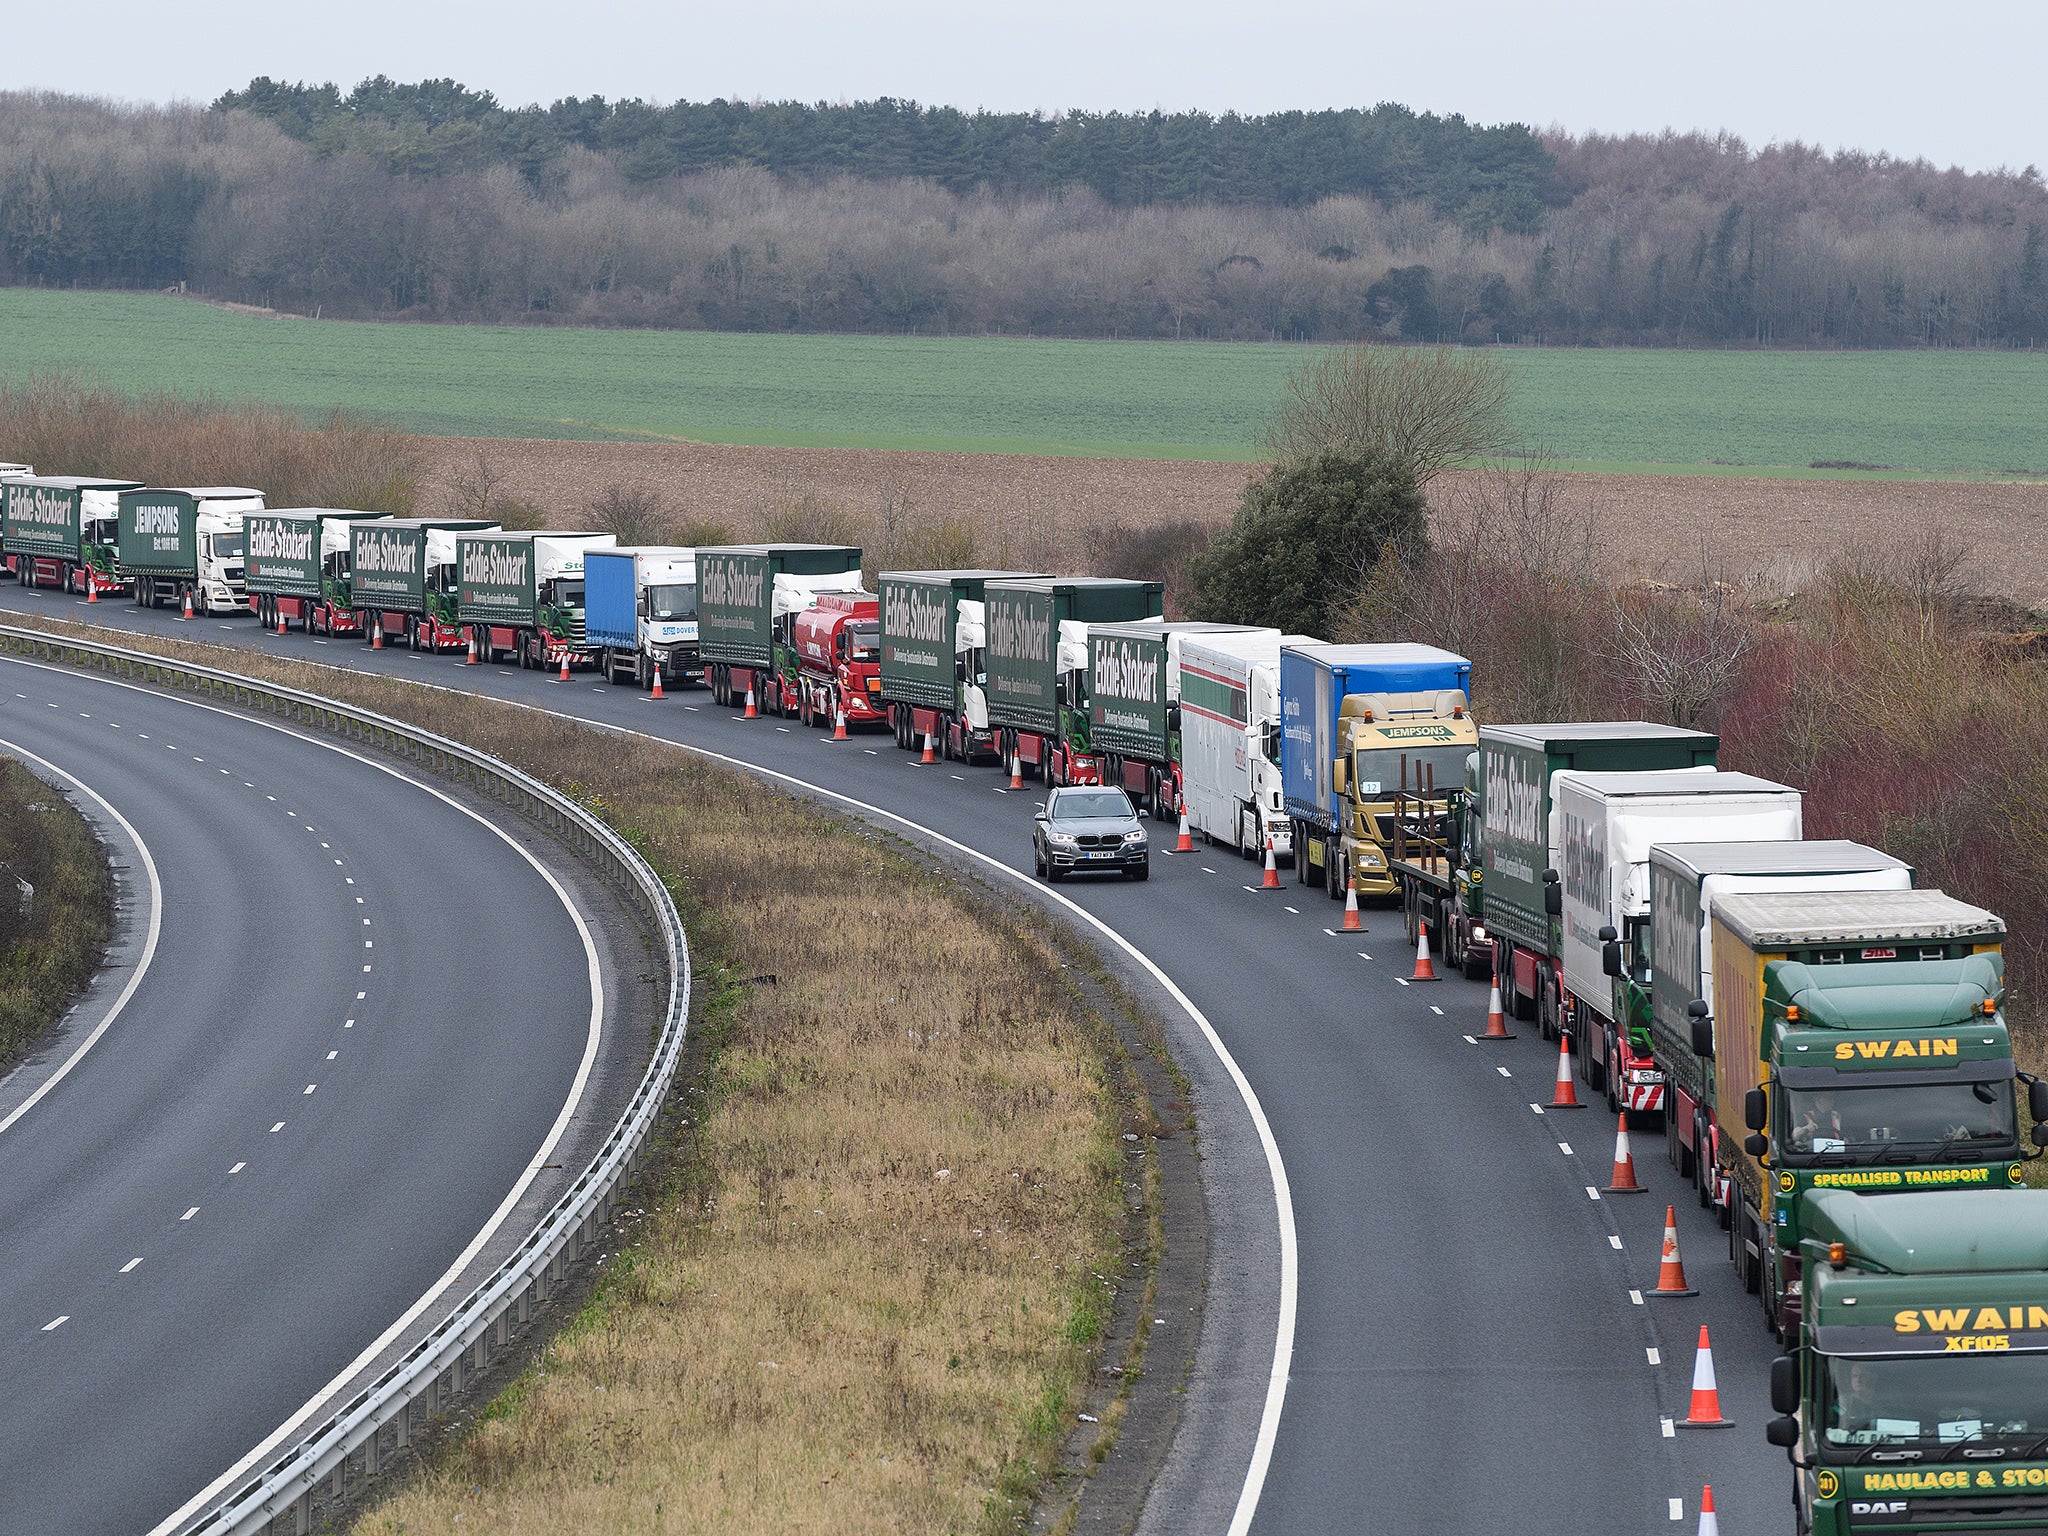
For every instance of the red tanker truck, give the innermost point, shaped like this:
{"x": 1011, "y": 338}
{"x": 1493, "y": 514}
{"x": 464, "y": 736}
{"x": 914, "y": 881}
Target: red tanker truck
{"x": 839, "y": 653}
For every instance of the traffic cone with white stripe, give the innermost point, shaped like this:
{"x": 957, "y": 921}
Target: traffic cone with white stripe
{"x": 1424, "y": 970}
{"x": 92, "y": 588}
{"x": 928, "y": 754}
{"x": 1271, "y": 880}
{"x": 839, "y": 725}
{"x": 1670, "y": 1271}
{"x": 1705, "y": 1412}
{"x": 1709, "y": 1524}
{"x": 752, "y": 713}
{"x": 280, "y": 621}
{"x": 1566, "y": 1096}
{"x": 1185, "y": 843}
{"x": 564, "y": 677}
{"x": 657, "y": 693}
{"x": 1623, "y": 1179}
{"x": 1016, "y": 770}
{"x": 376, "y": 631}
{"x": 1351, "y": 923}
{"x": 1496, "y": 1014}
{"x": 188, "y": 604}
{"x": 475, "y": 658}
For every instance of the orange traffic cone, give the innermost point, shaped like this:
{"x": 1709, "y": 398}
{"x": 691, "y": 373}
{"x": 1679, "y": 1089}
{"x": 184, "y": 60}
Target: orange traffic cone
{"x": 928, "y": 757}
{"x": 1424, "y": 971}
{"x": 280, "y": 621}
{"x": 92, "y": 588}
{"x": 1705, "y": 1412}
{"x": 1016, "y": 770}
{"x": 188, "y": 603}
{"x": 752, "y": 713}
{"x": 1623, "y": 1179}
{"x": 1351, "y": 924}
{"x": 475, "y": 655}
{"x": 1185, "y": 843}
{"x": 1565, "y": 1096}
{"x": 657, "y": 684}
{"x": 1271, "y": 882}
{"x": 1671, "y": 1272}
{"x": 565, "y": 668}
{"x": 839, "y": 725}
{"x": 1710, "y": 1524}
{"x": 376, "y": 631}
{"x": 1496, "y": 1014}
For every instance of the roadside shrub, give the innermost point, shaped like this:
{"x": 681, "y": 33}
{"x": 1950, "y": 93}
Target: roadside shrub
{"x": 1162, "y": 552}
{"x": 50, "y": 942}
{"x": 1305, "y": 539}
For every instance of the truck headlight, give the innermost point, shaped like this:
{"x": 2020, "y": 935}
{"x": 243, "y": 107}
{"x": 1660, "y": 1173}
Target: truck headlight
{"x": 1367, "y": 859}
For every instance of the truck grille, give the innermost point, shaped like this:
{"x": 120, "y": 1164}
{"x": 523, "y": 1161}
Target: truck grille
{"x": 1881, "y": 1512}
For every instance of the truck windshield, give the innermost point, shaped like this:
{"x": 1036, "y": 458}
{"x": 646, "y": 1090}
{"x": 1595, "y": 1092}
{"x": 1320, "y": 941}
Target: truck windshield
{"x": 1936, "y": 1117}
{"x": 863, "y": 642}
{"x": 665, "y": 605}
{"x": 569, "y": 593}
{"x": 225, "y": 546}
{"x": 1378, "y": 772}
{"x": 1937, "y": 1399}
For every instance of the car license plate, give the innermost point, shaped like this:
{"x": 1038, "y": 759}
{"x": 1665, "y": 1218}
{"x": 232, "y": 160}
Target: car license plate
{"x": 1098, "y": 855}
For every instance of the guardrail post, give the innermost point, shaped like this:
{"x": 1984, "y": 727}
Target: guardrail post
{"x": 302, "y": 1514}
{"x": 372, "y": 1449}
{"x": 405, "y": 1424}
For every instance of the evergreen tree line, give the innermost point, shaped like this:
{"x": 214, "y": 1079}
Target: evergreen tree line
{"x": 430, "y": 202}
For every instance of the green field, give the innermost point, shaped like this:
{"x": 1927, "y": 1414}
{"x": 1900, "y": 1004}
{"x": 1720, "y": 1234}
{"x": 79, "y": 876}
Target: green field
{"x": 1970, "y": 413}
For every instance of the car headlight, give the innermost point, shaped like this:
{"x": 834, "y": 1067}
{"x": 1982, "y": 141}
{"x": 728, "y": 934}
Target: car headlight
{"x": 1135, "y": 837}
{"x": 1060, "y": 837}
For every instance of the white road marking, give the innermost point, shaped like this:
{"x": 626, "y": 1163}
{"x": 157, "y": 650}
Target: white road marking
{"x": 366, "y": 970}
{"x": 237, "y": 1168}
{"x": 361, "y": 995}
{"x": 309, "y": 1088}
{"x": 368, "y": 943}
{"x": 332, "y": 1054}
{"x": 1678, "y": 1509}
{"x": 125, "y": 1268}
{"x": 1592, "y": 1193}
{"x": 277, "y": 1127}
{"x": 56, "y": 1323}
{"x": 1436, "y": 1010}
{"x": 1470, "y": 1041}
{"x": 1400, "y": 981}
{"x": 1296, "y": 911}
{"x": 1655, "y": 1358}
{"x": 1635, "y": 1298}
{"x": 1207, "y": 870}
{"x": 1565, "y": 1147}
{"x": 190, "y": 1214}
{"x": 1670, "y": 1429}
{"x": 1363, "y": 955}
{"x": 957, "y": 779}
{"x": 1503, "y": 1071}
{"x": 871, "y": 752}
{"x": 1537, "y": 1107}
{"x": 1613, "y": 1241}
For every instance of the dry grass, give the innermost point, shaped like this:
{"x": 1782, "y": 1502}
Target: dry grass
{"x": 869, "y": 1299}
{"x": 70, "y": 426}
{"x": 49, "y": 950}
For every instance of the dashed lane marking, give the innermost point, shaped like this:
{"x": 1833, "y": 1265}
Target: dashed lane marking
{"x": 1470, "y": 1041}
{"x": 1655, "y": 1358}
{"x": 309, "y": 1088}
{"x": 1635, "y": 1298}
{"x": 1678, "y": 1509}
{"x": 1537, "y": 1107}
{"x": 1613, "y": 1241}
{"x": 1592, "y": 1193}
{"x": 1503, "y": 1071}
{"x": 1670, "y": 1429}
{"x": 277, "y": 1127}
{"x": 332, "y": 1054}
{"x": 130, "y": 1265}
{"x": 190, "y": 1214}
{"x": 1565, "y": 1147}
{"x": 56, "y": 1322}
{"x": 1436, "y": 1010}
{"x": 237, "y": 1169}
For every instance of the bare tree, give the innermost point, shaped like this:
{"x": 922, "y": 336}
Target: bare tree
{"x": 635, "y": 515}
{"x": 1425, "y": 407}
{"x": 1680, "y": 649}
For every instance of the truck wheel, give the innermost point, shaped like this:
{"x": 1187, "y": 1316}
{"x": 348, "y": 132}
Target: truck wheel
{"x": 1609, "y": 1077}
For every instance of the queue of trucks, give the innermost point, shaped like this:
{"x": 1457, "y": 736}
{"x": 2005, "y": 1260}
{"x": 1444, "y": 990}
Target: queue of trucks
{"x": 1822, "y": 1042}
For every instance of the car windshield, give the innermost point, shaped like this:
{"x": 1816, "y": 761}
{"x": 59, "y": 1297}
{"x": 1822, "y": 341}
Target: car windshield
{"x": 863, "y": 642}
{"x": 666, "y": 604}
{"x": 1074, "y": 805}
{"x": 1926, "y": 1117}
{"x": 1379, "y": 772}
{"x": 1933, "y": 1399}
{"x": 226, "y": 546}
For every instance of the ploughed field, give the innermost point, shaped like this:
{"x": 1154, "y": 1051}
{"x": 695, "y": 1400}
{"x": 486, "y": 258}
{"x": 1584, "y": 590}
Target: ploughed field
{"x": 1035, "y": 509}
{"x": 1972, "y": 413}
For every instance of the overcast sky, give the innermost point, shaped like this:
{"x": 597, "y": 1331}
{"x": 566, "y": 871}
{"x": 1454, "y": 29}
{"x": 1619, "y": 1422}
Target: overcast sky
{"x": 1960, "y": 82}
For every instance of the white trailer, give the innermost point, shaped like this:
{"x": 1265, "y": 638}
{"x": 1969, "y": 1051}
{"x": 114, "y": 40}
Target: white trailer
{"x": 1602, "y": 827}
{"x": 1229, "y": 692}
{"x": 640, "y": 612}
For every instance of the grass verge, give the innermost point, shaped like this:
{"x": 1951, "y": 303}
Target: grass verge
{"x": 50, "y": 941}
{"x": 869, "y": 1293}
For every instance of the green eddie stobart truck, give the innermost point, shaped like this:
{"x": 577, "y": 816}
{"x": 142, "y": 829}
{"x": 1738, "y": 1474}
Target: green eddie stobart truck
{"x": 1134, "y": 706}
{"x": 298, "y": 567}
{"x": 748, "y": 597}
{"x": 1038, "y": 664}
{"x": 1859, "y": 1040}
{"x": 1520, "y": 855}
{"x": 63, "y": 531}
{"x": 1917, "y": 1399}
{"x": 402, "y": 578}
{"x": 523, "y": 593}
{"x": 934, "y": 664}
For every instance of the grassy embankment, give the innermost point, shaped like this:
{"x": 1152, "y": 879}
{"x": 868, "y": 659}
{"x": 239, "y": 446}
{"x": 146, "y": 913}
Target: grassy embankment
{"x": 50, "y": 950}
{"x": 1974, "y": 413}
{"x": 868, "y": 1289}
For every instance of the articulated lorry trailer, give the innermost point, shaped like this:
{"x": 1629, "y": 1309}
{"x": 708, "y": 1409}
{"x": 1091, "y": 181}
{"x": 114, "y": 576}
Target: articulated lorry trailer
{"x": 297, "y": 567}
{"x": 402, "y": 579}
{"x": 1517, "y": 842}
{"x": 1914, "y": 1400}
{"x": 748, "y": 597}
{"x": 838, "y": 643}
{"x": 1356, "y": 722}
{"x": 1606, "y": 824}
{"x": 1686, "y": 879}
{"x": 1038, "y": 662}
{"x": 1135, "y": 718}
{"x": 523, "y": 593}
{"x": 185, "y": 542}
{"x": 640, "y": 613}
{"x": 1859, "y": 1040}
{"x": 62, "y": 530}
{"x": 934, "y": 661}
{"x": 1230, "y": 782}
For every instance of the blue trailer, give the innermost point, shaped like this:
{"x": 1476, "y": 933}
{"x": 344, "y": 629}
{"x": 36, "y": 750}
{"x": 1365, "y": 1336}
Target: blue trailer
{"x": 1359, "y": 723}
{"x": 640, "y": 613}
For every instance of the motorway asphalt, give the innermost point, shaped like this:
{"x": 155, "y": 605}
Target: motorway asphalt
{"x": 1469, "y": 1353}
{"x": 365, "y": 1011}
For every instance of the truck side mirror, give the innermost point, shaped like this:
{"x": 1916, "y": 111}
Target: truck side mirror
{"x": 2037, "y": 1098}
{"x": 1553, "y": 895}
{"x": 959, "y": 669}
{"x": 1756, "y": 1109}
{"x": 1783, "y": 1432}
{"x": 1610, "y": 953}
{"x": 1785, "y": 1384}
{"x": 1059, "y": 693}
{"x": 1756, "y": 1144}
{"x": 1337, "y": 775}
{"x": 1173, "y": 717}
{"x": 1702, "y": 1029}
